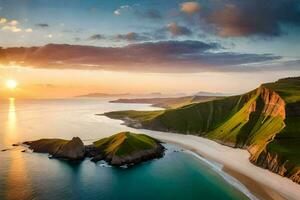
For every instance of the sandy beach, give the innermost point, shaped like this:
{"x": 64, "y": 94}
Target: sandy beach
{"x": 261, "y": 182}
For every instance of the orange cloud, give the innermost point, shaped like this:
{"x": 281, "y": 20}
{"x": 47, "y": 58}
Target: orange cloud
{"x": 190, "y": 7}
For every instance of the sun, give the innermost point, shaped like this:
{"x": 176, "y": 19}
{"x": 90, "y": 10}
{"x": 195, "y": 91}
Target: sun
{"x": 11, "y": 84}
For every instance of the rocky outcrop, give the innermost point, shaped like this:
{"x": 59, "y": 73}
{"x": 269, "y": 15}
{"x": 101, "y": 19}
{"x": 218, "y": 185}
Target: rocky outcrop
{"x": 136, "y": 157}
{"x": 287, "y": 137}
{"x": 58, "y": 148}
{"x": 274, "y": 105}
{"x": 134, "y": 148}
{"x": 73, "y": 150}
{"x": 278, "y": 165}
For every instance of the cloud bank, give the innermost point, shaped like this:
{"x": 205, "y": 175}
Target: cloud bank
{"x": 236, "y": 18}
{"x": 165, "y": 56}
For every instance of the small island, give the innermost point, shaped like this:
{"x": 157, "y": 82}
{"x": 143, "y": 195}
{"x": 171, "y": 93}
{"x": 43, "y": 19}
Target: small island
{"x": 123, "y": 148}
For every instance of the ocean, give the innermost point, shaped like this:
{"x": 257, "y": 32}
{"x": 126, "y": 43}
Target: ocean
{"x": 178, "y": 175}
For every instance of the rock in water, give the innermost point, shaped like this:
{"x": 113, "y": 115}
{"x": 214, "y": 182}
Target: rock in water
{"x": 73, "y": 150}
{"x": 126, "y": 148}
{"x": 68, "y": 149}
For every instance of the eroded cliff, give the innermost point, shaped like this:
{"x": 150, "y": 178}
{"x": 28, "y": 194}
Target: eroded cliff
{"x": 265, "y": 121}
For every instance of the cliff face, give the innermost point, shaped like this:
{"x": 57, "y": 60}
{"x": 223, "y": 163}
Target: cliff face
{"x": 277, "y": 164}
{"x": 73, "y": 150}
{"x": 281, "y": 154}
{"x": 265, "y": 121}
{"x": 270, "y": 109}
{"x": 274, "y": 105}
{"x": 136, "y": 157}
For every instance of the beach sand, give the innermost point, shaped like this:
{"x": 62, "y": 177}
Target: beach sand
{"x": 260, "y": 182}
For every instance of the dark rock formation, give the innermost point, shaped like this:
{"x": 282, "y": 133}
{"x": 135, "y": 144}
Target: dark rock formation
{"x": 58, "y": 148}
{"x": 73, "y": 150}
{"x": 125, "y": 148}
{"x": 120, "y": 149}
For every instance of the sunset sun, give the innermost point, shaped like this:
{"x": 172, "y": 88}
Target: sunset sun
{"x": 11, "y": 84}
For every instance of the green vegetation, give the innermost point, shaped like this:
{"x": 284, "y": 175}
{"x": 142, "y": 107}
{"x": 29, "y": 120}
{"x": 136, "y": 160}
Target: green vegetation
{"x": 47, "y": 145}
{"x": 174, "y": 102}
{"x": 265, "y": 121}
{"x": 288, "y": 89}
{"x": 135, "y": 115}
{"x": 125, "y": 143}
{"x": 119, "y": 149}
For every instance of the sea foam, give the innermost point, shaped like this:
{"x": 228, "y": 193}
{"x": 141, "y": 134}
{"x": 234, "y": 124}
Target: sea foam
{"x": 217, "y": 167}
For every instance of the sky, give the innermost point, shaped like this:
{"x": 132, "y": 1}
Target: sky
{"x": 62, "y": 48}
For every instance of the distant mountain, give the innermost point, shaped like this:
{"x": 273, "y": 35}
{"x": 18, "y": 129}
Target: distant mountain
{"x": 168, "y": 102}
{"x": 265, "y": 121}
{"x": 103, "y": 95}
{"x": 145, "y": 95}
{"x": 203, "y": 93}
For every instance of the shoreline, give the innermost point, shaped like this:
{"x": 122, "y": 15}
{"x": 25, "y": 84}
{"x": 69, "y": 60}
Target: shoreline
{"x": 235, "y": 162}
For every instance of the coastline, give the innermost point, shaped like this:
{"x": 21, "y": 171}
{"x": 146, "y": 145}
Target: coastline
{"x": 235, "y": 162}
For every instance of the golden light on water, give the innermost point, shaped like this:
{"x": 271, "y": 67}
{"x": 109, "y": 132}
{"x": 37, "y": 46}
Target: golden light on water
{"x": 11, "y": 135}
{"x": 12, "y": 113}
{"x": 17, "y": 183}
{"x": 11, "y": 84}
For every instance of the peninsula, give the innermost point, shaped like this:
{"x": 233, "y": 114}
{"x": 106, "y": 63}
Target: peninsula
{"x": 264, "y": 121}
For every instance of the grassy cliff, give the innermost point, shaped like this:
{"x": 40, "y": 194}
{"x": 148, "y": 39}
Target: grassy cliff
{"x": 127, "y": 148}
{"x": 125, "y": 143}
{"x": 266, "y": 121}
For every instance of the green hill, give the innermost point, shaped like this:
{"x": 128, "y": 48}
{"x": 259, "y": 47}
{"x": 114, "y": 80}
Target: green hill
{"x": 265, "y": 121}
{"x": 127, "y": 148}
{"x": 119, "y": 149}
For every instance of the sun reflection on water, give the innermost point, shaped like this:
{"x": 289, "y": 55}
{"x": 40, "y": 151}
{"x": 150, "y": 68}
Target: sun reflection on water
{"x": 18, "y": 185}
{"x": 11, "y": 135}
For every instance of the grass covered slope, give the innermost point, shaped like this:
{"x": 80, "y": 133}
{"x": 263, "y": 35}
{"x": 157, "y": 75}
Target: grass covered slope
{"x": 119, "y": 149}
{"x": 46, "y": 145}
{"x": 127, "y": 148}
{"x": 172, "y": 102}
{"x": 266, "y": 121}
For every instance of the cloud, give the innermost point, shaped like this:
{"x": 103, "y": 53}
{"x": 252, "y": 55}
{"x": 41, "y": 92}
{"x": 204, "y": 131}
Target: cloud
{"x": 164, "y": 56}
{"x": 237, "y": 18}
{"x": 152, "y": 14}
{"x": 96, "y": 37}
{"x": 177, "y": 30}
{"x": 10, "y": 25}
{"x": 3, "y": 20}
{"x": 77, "y": 39}
{"x": 46, "y": 85}
{"x": 42, "y": 25}
{"x": 13, "y": 23}
{"x": 122, "y": 9}
{"x": 136, "y": 10}
{"x": 132, "y": 36}
{"x": 28, "y": 30}
{"x": 11, "y": 28}
{"x": 190, "y": 7}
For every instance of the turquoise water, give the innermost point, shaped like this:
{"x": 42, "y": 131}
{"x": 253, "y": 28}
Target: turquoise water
{"x": 178, "y": 175}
